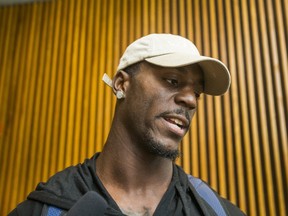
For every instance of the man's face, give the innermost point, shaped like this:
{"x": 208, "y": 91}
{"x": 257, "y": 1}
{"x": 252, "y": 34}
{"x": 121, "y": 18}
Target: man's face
{"x": 160, "y": 103}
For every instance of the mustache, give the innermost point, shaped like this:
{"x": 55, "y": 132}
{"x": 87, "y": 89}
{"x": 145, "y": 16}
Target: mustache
{"x": 178, "y": 111}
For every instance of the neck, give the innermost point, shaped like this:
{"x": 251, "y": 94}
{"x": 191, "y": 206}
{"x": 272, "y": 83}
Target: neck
{"x": 135, "y": 178}
{"x": 123, "y": 163}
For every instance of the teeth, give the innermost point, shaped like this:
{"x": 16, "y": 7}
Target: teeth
{"x": 177, "y": 121}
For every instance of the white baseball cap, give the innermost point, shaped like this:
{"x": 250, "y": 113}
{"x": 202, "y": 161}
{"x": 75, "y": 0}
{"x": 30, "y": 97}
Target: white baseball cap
{"x": 169, "y": 50}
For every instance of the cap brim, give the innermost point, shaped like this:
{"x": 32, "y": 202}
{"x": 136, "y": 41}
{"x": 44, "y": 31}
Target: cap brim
{"x": 216, "y": 75}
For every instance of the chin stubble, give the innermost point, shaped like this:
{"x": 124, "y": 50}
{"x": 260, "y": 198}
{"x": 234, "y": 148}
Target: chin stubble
{"x": 157, "y": 148}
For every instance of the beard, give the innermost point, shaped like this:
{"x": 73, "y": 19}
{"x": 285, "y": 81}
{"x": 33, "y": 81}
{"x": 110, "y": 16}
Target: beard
{"x": 159, "y": 149}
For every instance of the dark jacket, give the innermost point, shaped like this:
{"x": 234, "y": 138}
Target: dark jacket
{"x": 65, "y": 188}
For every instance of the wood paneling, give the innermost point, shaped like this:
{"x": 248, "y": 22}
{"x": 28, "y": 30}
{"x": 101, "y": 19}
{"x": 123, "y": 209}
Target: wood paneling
{"x": 55, "y": 111}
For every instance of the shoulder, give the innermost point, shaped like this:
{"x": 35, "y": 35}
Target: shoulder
{"x": 27, "y": 207}
{"x": 213, "y": 199}
{"x": 231, "y": 208}
{"x": 61, "y": 190}
{"x": 34, "y": 208}
{"x": 65, "y": 187}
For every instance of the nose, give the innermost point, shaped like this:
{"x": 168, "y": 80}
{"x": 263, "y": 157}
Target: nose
{"x": 186, "y": 98}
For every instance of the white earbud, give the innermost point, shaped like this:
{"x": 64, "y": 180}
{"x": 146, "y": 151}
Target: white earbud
{"x": 120, "y": 94}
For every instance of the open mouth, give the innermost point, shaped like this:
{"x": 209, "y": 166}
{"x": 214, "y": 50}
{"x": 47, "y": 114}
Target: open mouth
{"x": 176, "y": 121}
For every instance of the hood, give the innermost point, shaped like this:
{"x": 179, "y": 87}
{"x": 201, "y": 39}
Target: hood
{"x": 66, "y": 187}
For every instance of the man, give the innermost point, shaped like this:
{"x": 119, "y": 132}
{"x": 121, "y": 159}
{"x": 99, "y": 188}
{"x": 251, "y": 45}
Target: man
{"x": 158, "y": 82}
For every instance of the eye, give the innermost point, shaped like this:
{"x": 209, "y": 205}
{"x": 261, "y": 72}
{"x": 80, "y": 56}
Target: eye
{"x": 173, "y": 82}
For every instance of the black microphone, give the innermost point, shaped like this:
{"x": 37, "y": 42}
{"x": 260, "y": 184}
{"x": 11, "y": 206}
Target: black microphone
{"x": 90, "y": 204}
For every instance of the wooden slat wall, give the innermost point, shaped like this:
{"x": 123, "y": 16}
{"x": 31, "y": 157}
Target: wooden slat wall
{"x": 55, "y": 111}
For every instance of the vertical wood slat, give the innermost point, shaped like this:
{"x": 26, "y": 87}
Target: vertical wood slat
{"x": 59, "y": 62}
{"x": 243, "y": 117}
{"x": 81, "y": 73}
{"x": 6, "y": 82}
{"x": 236, "y": 139}
{"x": 73, "y": 86}
{"x": 101, "y": 67}
{"x": 277, "y": 98}
{"x": 28, "y": 144}
{"x": 44, "y": 83}
{"x": 205, "y": 34}
{"x": 4, "y": 66}
{"x": 89, "y": 80}
{"x": 220, "y": 173}
{"x": 186, "y": 164}
{"x": 231, "y": 191}
{"x": 263, "y": 122}
{"x": 17, "y": 134}
{"x": 62, "y": 9}
{"x": 108, "y": 65}
{"x": 83, "y": 104}
{"x": 65, "y": 90}
{"x": 203, "y": 168}
{"x": 57, "y": 111}
{"x": 94, "y": 78}
{"x": 269, "y": 104}
{"x": 252, "y": 118}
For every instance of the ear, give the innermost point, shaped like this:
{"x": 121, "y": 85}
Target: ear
{"x": 120, "y": 81}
